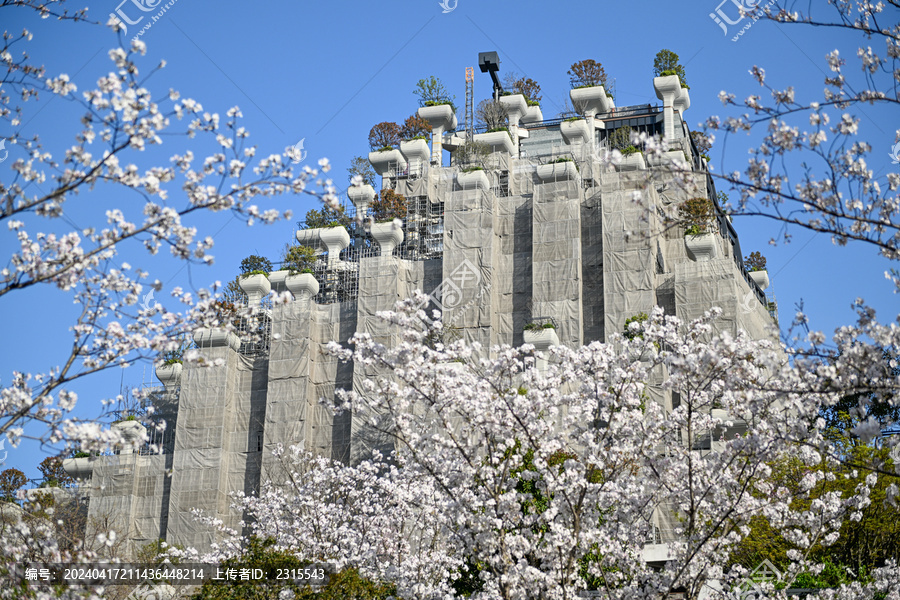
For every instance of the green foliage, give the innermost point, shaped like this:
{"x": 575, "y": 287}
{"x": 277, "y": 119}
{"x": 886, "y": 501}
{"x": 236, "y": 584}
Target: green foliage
{"x": 640, "y": 318}
{"x": 389, "y": 206}
{"x": 586, "y": 73}
{"x": 11, "y": 481}
{"x": 261, "y": 555}
{"x": 853, "y": 409}
{"x": 628, "y": 150}
{"x": 505, "y": 129}
{"x": 150, "y": 553}
{"x": 698, "y": 215}
{"x": 755, "y": 262}
{"x": 861, "y": 546}
{"x": 53, "y": 473}
{"x": 667, "y": 63}
{"x": 415, "y": 127}
{"x": 298, "y": 259}
{"x": 620, "y": 138}
{"x": 470, "y": 169}
{"x": 431, "y": 92}
{"x": 575, "y": 118}
{"x": 360, "y": 165}
{"x": 832, "y": 576}
{"x": 384, "y": 135}
{"x": 565, "y": 159}
{"x": 254, "y": 264}
{"x": 325, "y": 217}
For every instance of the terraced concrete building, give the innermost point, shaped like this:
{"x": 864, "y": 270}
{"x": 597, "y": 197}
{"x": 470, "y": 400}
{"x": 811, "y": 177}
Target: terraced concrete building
{"x": 534, "y": 227}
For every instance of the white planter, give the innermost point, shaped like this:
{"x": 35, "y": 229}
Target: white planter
{"x": 256, "y": 287}
{"x": 670, "y": 159}
{"x": 415, "y": 150}
{"x": 701, "y": 248}
{"x": 79, "y": 468}
{"x": 557, "y": 171}
{"x": 169, "y": 374}
{"x": 473, "y": 179}
{"x": 362, "y": 196}
{"x": 310, "y": 237}
{"x": 515, "y": 106}
{"x": 335, "y": 239}
{"x": 441, "y": 118}
{"x": 276, "y": 279}
{"x": 388, "y": 236}
{"x": 590, "y": 101}
{"x": 533, "y": 114}
{"x": 302, "y": 285}
{"x": 633, "y": 162}
{"x": 683, "y": 101}
{"x": 387, "y": 162}
{"x": 760, "y": 278}
{"x": 499, "y": 141}
{"x": 205, "y": 337}
{"x": 668, "y": 89}
{"x": 541, "y": 339}
{"x": 575, "y": 131}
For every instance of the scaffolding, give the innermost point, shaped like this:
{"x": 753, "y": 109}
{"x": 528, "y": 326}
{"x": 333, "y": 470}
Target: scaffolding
{"x": 470, "y": 102}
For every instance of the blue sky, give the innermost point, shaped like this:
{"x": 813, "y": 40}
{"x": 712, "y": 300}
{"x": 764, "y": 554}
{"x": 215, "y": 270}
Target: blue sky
{"x": 324, "y": 73}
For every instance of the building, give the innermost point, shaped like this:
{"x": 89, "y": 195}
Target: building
{"x": 532, "y": 228}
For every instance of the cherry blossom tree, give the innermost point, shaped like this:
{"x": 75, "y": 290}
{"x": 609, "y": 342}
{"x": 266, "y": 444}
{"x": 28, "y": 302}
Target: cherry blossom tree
{"x": 510, "y": 480}
{"x": 122, "y": 117}
{"x": 835, "y": 192}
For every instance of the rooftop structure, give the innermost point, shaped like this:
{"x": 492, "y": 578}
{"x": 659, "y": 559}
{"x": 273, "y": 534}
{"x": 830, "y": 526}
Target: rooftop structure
{"x": 535, "y": 229}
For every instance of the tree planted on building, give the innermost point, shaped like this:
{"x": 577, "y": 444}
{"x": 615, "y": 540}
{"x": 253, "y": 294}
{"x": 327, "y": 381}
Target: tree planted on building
{"x": 432, "y": 92}
{"x": 587, "y": 73}
{"x": 491, "y": 115}
{"x": 389, "y": 205}
{"x": 362, "y": 168}
{"x": 666, "y": 63}
{"x": 415, "y": 127}
{"x": 384, "y": 136}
